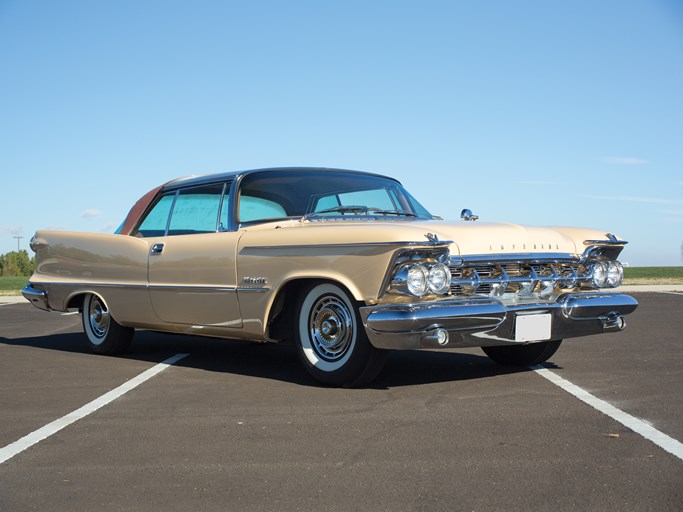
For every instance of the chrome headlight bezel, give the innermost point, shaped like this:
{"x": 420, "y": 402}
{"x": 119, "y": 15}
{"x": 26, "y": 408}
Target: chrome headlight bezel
{"x": 605, "y": 274}
{"x": 598, "y": 274}
{"x": 439, "y": 279}
{"x": 418, "y": 274}
{"x": 416, "y": 280}
{"x": 615, "y": 274}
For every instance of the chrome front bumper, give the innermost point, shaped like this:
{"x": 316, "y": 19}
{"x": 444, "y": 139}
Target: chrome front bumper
{"x": 478, "y": 322}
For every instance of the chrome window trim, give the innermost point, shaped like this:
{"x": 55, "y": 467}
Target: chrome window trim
{"x": 170, "y": 212}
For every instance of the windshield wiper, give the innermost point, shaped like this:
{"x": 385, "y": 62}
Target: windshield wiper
{"x": 358, "y": 210}
{"x": 337, "y": 209}
{"x": 392, "y": 212}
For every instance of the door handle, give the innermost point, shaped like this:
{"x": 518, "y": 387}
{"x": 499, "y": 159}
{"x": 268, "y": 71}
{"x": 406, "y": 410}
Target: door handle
{"x": 157, "y": 249}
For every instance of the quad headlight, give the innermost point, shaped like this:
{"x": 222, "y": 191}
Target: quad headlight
{"x": 420, "y": 279}
{"x": 606, "y": 274}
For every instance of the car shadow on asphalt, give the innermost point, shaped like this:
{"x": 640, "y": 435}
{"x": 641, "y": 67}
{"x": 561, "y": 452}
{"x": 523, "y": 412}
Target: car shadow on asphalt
{"x": 279, "y": 362}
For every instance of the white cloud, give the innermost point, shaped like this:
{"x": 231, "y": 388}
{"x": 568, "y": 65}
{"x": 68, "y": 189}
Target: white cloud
{"x": 91, "y": 213}
{"x": 11, "y": 230}
{"x": 624, "y": 160}
{"x": 637, "y": 199}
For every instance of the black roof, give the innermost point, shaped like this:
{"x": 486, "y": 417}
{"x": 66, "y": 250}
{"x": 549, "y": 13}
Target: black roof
{"x": 224, "y": 176}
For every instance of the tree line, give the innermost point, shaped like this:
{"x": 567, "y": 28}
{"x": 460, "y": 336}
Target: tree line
{"x": 16, "y": 263}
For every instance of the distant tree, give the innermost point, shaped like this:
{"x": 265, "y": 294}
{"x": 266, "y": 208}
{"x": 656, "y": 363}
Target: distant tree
{"x": 16, "y": 263}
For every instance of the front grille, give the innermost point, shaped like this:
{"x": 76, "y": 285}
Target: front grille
{"x": 521, "y": 278}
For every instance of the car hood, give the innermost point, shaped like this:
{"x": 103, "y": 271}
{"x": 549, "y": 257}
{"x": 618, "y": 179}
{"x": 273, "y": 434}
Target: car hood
{"x": 481, "y": 238}
{"x": 500, "y": 238}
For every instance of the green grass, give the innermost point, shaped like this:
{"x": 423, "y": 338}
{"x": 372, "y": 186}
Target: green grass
{"x": 653, "y": 272}
{"x": 12, "y": 285}
{"x": 653, "y": 275}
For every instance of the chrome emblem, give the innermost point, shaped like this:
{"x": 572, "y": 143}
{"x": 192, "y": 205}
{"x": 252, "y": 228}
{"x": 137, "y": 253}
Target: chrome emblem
{"x": 611, "y": 237}
{"x": 255, "y": 280}
{"x": 432, "y": 238}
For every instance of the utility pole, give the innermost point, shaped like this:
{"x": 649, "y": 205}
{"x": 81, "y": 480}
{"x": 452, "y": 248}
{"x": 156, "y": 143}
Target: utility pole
{"x": 18, "y": 240}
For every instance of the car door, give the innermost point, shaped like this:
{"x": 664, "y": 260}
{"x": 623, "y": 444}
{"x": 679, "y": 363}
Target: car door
{"x": 192, "y": 274}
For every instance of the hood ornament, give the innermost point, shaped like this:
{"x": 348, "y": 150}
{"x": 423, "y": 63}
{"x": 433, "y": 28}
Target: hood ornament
{"x": 611, "y": 237}
{"x": 467, "y": 215}
{"x": 432, "y": 238}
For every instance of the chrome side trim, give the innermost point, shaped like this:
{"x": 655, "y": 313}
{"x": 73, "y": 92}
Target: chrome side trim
{"x": 441, "y": 243}
{"x": 194, "y": 288}
{"x": 203, "y": 288}
{"x": 253, "y": 290}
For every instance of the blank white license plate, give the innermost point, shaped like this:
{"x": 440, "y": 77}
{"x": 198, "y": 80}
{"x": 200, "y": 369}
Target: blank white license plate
{"x": 533, "y": 327}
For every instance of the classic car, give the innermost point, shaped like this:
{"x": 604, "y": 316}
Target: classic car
{"x": 344, "y": 264}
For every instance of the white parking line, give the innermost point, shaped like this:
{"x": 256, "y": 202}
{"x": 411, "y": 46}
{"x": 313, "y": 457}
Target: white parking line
{"x": 650, "y": 433}
{"x": 70, "y": 313}
{"x": 26, "y": 442}
{"x": 673, "y": 293}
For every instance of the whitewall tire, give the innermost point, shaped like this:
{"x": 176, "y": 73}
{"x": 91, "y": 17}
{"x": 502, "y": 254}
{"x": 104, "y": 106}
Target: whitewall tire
{"x": 331, "y": 339}
{"x": 104, "y": 334}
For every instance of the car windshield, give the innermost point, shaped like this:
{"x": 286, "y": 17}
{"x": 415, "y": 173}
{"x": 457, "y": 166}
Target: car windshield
{"x": 322, "y": 195}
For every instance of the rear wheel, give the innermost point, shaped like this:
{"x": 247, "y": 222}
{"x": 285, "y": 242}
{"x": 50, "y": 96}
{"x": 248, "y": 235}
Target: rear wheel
{"x": 523, "y": 355}
{"x": 331, "y": 340}
{"x": 105, "y": 335}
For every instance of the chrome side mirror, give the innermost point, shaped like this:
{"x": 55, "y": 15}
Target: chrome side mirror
{"x": 466, "y": 215}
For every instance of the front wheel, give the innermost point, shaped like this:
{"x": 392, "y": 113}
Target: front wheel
{"x": 330, "y": 338}
{"x": 523, "y": 355}
{"x": 105, "y": 335}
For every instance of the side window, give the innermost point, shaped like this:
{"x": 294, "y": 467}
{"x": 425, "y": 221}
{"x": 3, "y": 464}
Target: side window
{"x": 196, "y": 210}
{"x": 156, "y": 220}
{"x": 256, "y": 208}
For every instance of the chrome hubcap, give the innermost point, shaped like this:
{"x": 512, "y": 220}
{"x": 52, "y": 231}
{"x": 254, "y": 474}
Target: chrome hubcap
{"x": 99, "y": 318}
{"x": 331, "y": 328}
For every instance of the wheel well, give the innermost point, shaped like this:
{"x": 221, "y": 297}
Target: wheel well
{"x": 76, "y": 302}
{"x": 281, "y": 315}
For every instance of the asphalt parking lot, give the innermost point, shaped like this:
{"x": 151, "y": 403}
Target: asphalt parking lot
{"x": 238, "y": 426}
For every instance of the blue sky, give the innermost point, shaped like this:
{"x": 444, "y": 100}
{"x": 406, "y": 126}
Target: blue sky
{"x": 536, "y": 112}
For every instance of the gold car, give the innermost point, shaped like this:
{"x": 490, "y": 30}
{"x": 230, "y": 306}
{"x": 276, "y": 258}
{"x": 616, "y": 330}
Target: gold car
{"x": 344, "y": 264}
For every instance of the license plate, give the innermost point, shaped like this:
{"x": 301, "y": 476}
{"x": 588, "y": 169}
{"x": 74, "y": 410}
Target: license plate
{"x": 533, "y": 327}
